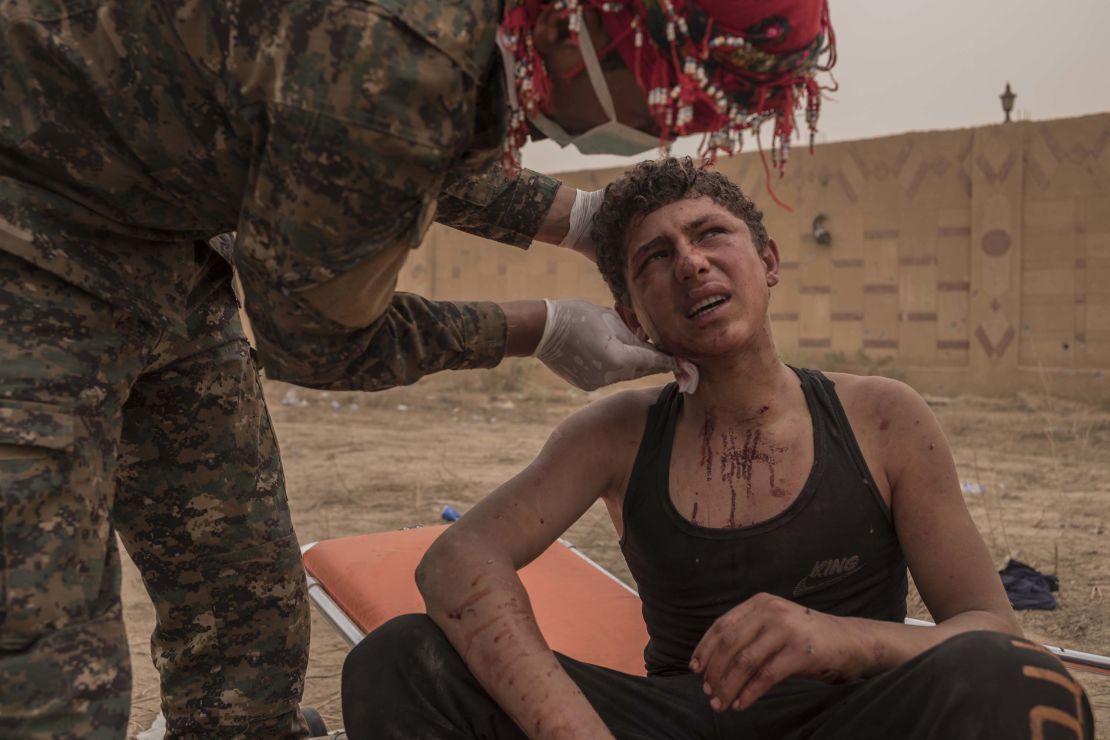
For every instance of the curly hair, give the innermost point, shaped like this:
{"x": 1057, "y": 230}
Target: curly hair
{"x": 647, "y": 187}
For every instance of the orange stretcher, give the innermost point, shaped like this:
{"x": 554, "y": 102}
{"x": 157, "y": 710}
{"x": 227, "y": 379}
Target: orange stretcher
{"x": 583, "y": 610}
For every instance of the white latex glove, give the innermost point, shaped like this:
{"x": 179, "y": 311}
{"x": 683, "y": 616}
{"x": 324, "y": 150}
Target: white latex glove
{"x": 589, "y": 346}
{"x": 586, "y": 203}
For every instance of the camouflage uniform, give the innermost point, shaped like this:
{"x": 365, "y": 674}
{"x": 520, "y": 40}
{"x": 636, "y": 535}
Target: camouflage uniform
{"x": 328, "y": 133}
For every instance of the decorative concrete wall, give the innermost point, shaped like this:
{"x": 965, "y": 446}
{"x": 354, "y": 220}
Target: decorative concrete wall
{"x": 975, "y": 260}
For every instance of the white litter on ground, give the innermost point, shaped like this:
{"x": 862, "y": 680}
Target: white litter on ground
{"x": 156, "y": 731}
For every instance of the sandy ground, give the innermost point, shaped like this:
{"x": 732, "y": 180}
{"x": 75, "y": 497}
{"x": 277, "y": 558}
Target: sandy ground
{"x": 358, "y": 463}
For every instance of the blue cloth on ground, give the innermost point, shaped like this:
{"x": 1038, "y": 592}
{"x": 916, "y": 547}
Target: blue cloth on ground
{"x": 1027, "y": 587}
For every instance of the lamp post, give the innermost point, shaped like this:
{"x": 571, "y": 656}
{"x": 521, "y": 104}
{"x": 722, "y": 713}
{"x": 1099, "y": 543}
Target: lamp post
{"x": 1007, "y": 101}
{"x": 821, "y": 235}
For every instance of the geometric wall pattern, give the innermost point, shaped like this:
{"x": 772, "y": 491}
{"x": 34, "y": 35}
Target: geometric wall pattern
{"x": 981, "y": 254}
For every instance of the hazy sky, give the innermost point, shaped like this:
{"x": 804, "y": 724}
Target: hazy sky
{"x": 907, "y": 65}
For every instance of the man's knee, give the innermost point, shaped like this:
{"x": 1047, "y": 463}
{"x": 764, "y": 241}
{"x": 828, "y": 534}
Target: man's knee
{"x": 404, "y": 665}
{"x": 411, "y": 643}
{"x": 985, "y": 658}
{"x": 1009, "y": 677}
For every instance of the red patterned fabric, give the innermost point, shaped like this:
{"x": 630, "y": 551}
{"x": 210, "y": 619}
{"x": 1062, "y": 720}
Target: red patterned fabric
{"x": 717, "y": 67}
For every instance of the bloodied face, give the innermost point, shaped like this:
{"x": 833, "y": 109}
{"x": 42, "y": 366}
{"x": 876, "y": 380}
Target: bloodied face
{"x": 698, "y": 284}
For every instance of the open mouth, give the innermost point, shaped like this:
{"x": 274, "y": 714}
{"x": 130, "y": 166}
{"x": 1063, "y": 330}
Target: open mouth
{"x": 706, "y": 305}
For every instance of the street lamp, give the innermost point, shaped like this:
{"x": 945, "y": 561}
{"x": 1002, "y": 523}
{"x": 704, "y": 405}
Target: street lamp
{"x": 1007, "y": 101}
{"x": 821, "y": 235}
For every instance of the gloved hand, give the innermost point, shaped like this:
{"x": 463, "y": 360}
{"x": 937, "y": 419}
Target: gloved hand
{"x": 589, "y": 346}
{"x": 586, "y": 203}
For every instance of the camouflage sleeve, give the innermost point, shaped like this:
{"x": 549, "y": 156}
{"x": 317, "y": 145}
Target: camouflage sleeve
{"x": 412, "y": 338}
{"x": 498, "y": 207}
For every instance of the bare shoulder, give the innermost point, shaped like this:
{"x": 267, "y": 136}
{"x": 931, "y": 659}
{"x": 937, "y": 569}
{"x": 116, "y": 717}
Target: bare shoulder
{"x": 874, "y": 398}
{"x": 892, "y": 424}
{"x": 613, "y": 418}
{"x": 604, "y": 436}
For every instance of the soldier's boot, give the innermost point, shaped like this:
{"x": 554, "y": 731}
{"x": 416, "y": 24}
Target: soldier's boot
{"x": 316, "y": 724}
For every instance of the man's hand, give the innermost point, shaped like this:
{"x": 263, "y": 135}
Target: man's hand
{"x": 766, "y": 639}
{"x": 589, "y": 346}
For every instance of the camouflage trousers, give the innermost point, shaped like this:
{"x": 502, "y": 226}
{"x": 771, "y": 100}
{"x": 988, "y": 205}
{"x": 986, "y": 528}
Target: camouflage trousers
{"x": 108, "y": 425}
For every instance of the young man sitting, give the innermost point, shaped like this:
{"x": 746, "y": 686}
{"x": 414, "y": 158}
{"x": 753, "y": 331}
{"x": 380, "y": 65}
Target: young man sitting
{"x": 768, "y": 519}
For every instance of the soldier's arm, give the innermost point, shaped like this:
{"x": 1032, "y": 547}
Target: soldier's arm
{"x": 512, "y": 210}
{"x": 412, "y": 337}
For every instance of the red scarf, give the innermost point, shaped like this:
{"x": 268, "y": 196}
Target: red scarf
{"x": 717, "y": 67}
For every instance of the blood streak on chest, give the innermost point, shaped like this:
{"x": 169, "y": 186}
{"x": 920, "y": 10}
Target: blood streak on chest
{"x": 707, "y": 444}
{"x": 738, "y": 464}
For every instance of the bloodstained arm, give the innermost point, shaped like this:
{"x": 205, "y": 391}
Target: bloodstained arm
{"x": 472, "y": 591}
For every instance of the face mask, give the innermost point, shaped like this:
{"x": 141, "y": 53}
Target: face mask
{"x": 611, "y": 137}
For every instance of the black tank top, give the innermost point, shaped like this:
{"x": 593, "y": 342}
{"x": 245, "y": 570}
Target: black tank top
{"x": 834, "y": 549}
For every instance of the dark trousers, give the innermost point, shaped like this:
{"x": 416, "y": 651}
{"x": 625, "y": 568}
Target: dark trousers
{"x": 405, "y": 680}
